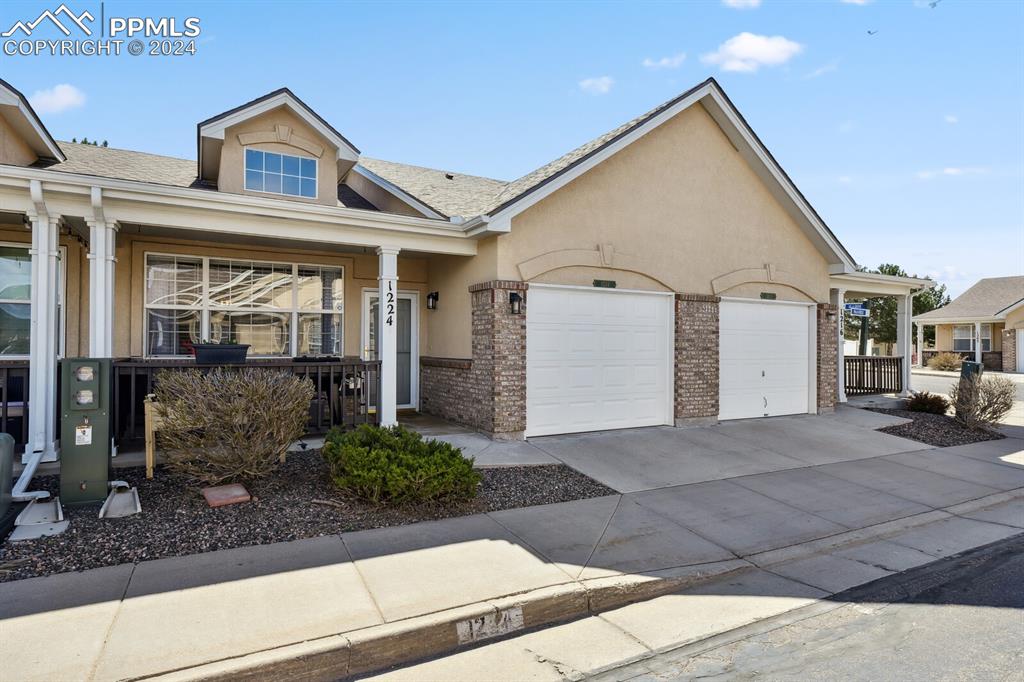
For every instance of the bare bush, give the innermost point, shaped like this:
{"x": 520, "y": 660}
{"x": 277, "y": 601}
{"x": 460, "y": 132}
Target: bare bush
{"x": 946, "y": 362}
{"x": 230, "y": 424}
{"x": 982, "y": 402}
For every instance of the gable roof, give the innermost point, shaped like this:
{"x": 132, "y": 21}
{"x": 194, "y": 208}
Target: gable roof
{"x": 28, "y": 123}
{"x": 992, "y": 297}
{"x": 448, "y": 193}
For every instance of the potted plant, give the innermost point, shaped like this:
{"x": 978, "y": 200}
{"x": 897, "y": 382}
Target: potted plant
{"x": 220, "y": 352}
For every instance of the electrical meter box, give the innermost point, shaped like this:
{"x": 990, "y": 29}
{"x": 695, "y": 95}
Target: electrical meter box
{"x": 85, "y": 411}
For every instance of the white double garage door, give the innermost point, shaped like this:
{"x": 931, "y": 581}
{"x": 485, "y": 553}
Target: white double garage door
{"x": 604, "y": 359}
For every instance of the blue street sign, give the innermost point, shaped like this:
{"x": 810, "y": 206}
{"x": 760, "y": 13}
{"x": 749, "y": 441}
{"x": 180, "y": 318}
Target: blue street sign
{"x": 857, "y": 311}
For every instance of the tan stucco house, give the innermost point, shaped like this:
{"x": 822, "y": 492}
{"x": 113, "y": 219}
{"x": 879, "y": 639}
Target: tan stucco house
{"x": 668, "y": 272}
{"x": 985, "y": 324}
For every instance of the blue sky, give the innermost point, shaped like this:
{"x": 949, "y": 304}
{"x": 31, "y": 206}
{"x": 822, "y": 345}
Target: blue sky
{"x": 908, "y": 141}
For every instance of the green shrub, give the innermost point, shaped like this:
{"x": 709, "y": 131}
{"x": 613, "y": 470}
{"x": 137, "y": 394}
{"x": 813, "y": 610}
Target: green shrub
{"x": 924, "y": 401}
{"x": 946, "y": 362}
{"x": 396, "y": 466}
{"x": 982, "y": 402}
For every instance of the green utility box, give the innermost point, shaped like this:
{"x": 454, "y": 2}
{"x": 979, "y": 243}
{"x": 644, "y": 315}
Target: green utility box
{"x": 85, "y": 411}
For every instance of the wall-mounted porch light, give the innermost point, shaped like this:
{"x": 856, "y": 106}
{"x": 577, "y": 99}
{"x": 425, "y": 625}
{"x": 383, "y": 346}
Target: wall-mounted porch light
{"x": 432, "y": 300}
{"x": 516, "y": 302}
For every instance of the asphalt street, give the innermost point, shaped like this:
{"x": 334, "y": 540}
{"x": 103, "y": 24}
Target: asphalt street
{"x": 958, "y": 619}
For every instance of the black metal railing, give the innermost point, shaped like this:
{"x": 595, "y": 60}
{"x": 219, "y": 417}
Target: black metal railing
{"x": 14, "y": 400}
{"x": 866, "y": 374}
{"x": 346, "y": 390}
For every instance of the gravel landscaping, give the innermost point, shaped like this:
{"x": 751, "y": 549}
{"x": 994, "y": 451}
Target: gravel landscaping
{"x": 934, "y": 429}
{"x": 289, "y": 505}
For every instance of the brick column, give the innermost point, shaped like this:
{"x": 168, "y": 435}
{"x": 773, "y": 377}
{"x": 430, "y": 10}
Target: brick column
{"x": 1010, "y": 350}
{"x": 499, "y": 359}
{"x": 828, "y": 335}
{"x": 696, "y": 355}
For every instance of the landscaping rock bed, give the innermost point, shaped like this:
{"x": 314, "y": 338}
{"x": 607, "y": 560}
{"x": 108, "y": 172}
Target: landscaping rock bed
{"x": 935, "y": 429}
{"x": 176, "y": 521}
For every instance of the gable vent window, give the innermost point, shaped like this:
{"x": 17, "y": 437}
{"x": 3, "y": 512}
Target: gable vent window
{"x": 293, "y": 176}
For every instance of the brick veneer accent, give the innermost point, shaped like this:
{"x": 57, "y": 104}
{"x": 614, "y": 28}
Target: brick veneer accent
{"x": 696, "y": 360}
{"x": 1010, "y": 350}
{"x": 827, "y": 356}
{"x": 443, "y": 389}
{"x": 487, "y": 392}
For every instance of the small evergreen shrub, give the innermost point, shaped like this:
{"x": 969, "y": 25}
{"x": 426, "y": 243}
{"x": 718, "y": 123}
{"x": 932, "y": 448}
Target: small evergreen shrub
{"x": 982, "y": 402}
{"x": 946, "y": 362}
{"x": 923, "y": 401}
{"x": 397, "y": 466}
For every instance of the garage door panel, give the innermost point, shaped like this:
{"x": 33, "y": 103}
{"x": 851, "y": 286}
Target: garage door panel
{"x": 597, "y": 360}
{"x": 764, "y": 355}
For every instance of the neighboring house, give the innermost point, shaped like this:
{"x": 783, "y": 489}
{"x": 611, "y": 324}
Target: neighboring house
{"x": 668, "y": 272}
{"x": 985, "y": 323}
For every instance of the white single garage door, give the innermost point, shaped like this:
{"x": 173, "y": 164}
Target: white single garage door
{"x": 597, "y": 359}
{"x": 765, "y": 349}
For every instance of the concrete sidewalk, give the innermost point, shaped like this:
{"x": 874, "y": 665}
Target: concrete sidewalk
{"x": 340, "y": 605}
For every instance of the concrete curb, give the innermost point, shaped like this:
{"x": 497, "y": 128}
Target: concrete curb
{"x": 382, "y": 646}
{"x": 378, "y": 647}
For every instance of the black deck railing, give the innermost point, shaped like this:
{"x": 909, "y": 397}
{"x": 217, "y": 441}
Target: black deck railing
{"x": 346, "y": 390}
{"x": 14, "y": 400}
{"x": 873, "y": 374}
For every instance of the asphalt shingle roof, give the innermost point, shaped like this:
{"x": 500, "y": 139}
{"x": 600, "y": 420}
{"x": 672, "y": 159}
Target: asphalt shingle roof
{"x": 984, "y": 299}
{"x": 453, "y": 194}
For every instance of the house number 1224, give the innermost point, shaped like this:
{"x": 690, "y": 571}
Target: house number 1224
{"x": 389, "y": 318}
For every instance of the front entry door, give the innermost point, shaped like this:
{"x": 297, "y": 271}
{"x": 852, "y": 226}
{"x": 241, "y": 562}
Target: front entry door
{"x": 407, "y": 319}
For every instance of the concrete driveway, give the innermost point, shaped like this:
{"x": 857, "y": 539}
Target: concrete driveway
{"x": 646, "y": 459}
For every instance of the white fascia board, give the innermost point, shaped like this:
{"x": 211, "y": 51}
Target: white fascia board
{"x": 397, "y": 192}
{"x": 881, "y": 285}
{"x": 1010, "y": 308}
{"x": 33, "y": 123}
{"x": 956, "y": 320}
{"x": 484, "y": 226}
{"x": 217, "y": 128}
{"x": 73, "y": 192}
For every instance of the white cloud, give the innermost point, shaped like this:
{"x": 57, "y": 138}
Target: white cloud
{"x": 742, "y": 4}
{"x": 951, "y": 171}
{"x": 600, "y": 85}
{"x": 57, "y": 99}
{"x": 748, "y": 52}
{"x": 856, "y": 2}
{"x": 951, "y": 119}
{"x": 822, "y": 70}
{"x": 673, "y": 62}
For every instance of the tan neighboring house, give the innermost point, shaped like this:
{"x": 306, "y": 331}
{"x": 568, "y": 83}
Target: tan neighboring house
{"x": 984, "y": 324}
{"x": 667, "y": 272}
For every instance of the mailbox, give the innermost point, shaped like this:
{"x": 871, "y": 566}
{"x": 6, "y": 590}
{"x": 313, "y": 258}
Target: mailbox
{"x": 85, "y": 409}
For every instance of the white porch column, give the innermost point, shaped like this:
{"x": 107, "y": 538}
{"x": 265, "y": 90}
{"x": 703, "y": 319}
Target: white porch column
{"x": 102, "y": 242}
{"x": 42, "y": 395}
{"x": 977, "y": 341}
{"x": 387, "y": 344}
{"x": 920, "y": 345}
{"x": 839, "y": 300}
{"x": 903, "y": 313}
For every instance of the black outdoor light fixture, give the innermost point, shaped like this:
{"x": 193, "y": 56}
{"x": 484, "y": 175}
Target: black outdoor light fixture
{"x": 516, "y": 301}
{"x": 432, "y": 300}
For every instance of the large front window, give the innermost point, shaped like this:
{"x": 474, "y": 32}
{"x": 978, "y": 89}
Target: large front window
{"x": 963, "y": 338}
{"x": 280, "y": 174}
{"x": 279, "y": 309}
{"x": 16, "y": 301}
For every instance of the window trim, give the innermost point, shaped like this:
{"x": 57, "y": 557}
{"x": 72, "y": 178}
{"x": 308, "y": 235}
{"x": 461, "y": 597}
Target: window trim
{"x": 205, "y": 308}
{"x": 316, "y": 178}
{"x": 62, "y": 309}
{"x": 985, "y": 335}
